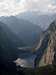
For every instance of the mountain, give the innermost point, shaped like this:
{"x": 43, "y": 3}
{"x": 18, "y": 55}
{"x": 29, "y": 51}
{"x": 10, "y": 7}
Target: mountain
{"x": 28, "y": 32}
{"x": 8, "y": 45}
{"x": 41, "y": 20}
{"x": 46, "y": 53}
{"x": 50, "y": 56}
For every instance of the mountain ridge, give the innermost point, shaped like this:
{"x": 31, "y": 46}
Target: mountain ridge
{"x": 42, "y": 20}
{"x": 47, "y": 49}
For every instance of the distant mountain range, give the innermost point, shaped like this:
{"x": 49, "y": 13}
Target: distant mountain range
{"x": 28, "y": 32}
{"x": 41, "y": 20}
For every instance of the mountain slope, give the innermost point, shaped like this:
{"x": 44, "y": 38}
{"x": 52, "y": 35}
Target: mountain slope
{"x": 46, "y": 54}
{"x": 41, "y": 20}
{"x": 8, "y": 45}
{"x": 27, "y": 31}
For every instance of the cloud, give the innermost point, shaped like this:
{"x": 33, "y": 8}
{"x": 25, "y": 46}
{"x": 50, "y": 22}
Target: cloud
{"x": 41, "y": 5}
{"x": 52, "y": 7}
{"x": 14, "y": 7}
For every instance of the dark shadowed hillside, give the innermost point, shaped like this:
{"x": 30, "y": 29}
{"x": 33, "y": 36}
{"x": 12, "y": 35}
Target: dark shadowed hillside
{"x": 8, "y": 46}
{"x": 27, "y": 31}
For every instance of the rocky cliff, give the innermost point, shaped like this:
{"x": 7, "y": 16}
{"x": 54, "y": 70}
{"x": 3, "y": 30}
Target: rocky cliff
{"x": 47, "y": 49}
{"x": 49, "y": 56}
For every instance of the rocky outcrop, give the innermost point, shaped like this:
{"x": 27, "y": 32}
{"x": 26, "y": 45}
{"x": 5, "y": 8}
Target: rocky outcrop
{"x": 49, "y": 55}
{"x": 49, "y": 51}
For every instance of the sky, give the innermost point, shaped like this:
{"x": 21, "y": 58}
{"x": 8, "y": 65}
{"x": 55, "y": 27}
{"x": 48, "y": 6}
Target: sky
{"x": 14, "y": 7}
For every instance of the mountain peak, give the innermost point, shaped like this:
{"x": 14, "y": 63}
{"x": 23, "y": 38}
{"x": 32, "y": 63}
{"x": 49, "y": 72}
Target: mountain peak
{"x": 52, "y": 26}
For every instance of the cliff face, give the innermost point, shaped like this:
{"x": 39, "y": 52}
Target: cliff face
{"x": 49, "y": 55}
{"x": 51, "y": 44}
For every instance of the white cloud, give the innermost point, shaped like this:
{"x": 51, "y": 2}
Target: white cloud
{"x": 8, "y": 7}
{"x": 41, "y": 5}
{"x": 14, "y": 7}
{"x": 52, "y": 7}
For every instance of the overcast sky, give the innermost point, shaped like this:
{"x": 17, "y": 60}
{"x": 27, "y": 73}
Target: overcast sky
{"x": 13, "y": 7}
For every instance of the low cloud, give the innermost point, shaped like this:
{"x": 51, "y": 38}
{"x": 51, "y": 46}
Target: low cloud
{"x": 41, "y": 5}
{"x": 14, "y": 7}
